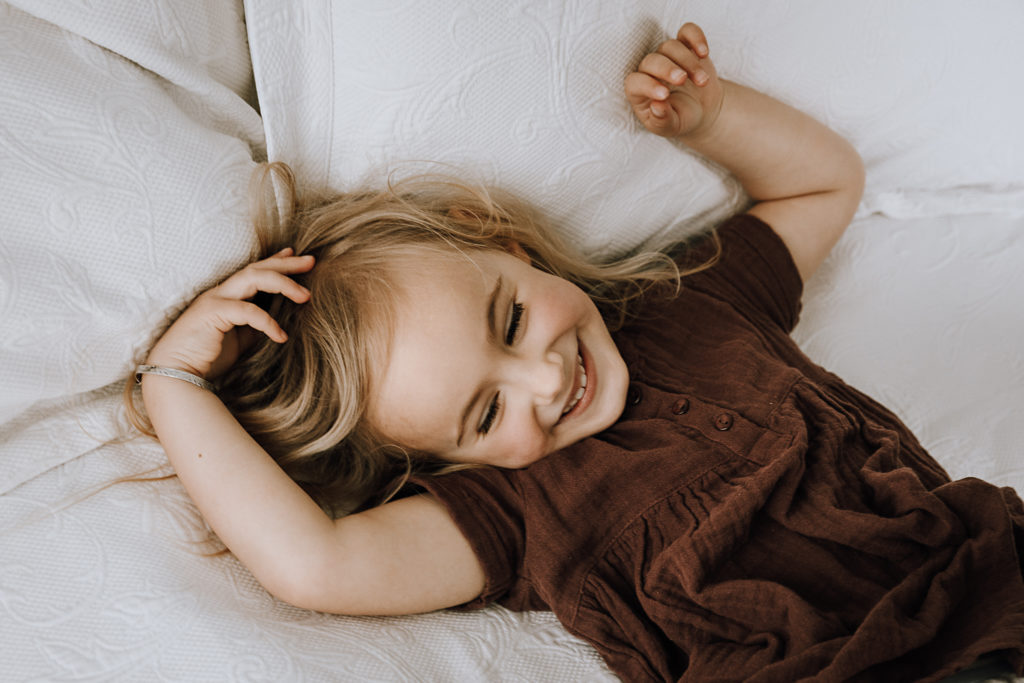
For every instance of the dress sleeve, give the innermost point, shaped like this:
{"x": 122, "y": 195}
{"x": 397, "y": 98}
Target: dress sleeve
{"x": 755, "y": 272}
{"x": 486, "y": 506}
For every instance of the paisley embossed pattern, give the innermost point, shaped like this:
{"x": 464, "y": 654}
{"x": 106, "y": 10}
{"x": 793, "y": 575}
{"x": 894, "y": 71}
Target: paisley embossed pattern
{"x": 127, "y": 134}
{"x": 125, "y": 195}
{"x": 113, "y": 588}
{"x": 527, "y": 94}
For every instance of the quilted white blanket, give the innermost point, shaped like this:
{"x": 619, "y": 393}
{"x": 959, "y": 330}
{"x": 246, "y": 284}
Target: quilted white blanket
{"x": 127, "y": 135}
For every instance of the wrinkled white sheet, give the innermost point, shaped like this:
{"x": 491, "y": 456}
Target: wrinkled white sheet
{"x": 925, "y": 314}
{"x": 126, "y": 147}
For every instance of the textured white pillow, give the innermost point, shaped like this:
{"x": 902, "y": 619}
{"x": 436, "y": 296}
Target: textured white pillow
{"x": 522, "y": 94}
{"x": 527, "y": 94}
{"x": 926, "y": 92}
{"x": 125, "y": 192}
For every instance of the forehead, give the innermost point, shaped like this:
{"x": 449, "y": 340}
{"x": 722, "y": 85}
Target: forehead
{"x": 434, "y": 359}
{"x": 441, "y": 289}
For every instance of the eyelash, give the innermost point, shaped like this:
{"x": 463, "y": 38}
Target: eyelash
{"x": 492, "y": 412}
{"x": 510, "y": 338}
{"x": 513, "y": 323}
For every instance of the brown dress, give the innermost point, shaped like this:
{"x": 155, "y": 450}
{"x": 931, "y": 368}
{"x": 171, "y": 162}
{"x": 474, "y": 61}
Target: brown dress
{"x": 750, "y": 516}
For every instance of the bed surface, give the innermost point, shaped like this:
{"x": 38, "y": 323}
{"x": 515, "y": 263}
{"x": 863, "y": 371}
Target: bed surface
{"x": 923, "y": 314}
{"x": 126, "y": 142}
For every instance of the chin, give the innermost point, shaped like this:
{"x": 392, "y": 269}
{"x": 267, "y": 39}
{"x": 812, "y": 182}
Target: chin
{"x": 615, "y": 401}
{"x": 608, "y": 406}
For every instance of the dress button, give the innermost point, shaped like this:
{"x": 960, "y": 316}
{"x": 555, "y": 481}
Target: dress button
{"x": 681, "y": 407}
{"x": 723, "y": 422}
{"x": 634, "y": 396}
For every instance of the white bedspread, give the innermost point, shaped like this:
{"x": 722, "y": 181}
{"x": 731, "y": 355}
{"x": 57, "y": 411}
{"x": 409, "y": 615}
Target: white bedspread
{"x": 126, "y": 147}
{"x": 925, "y": 314}
{"x": 127, "y": 135}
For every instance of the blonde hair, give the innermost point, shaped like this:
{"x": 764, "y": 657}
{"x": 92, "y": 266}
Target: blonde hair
{"x": 304, "y": 401}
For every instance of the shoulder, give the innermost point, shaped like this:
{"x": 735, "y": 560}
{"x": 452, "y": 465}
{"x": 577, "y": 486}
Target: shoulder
{"x": 751, "y": 269}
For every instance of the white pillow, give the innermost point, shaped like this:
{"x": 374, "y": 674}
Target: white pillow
{"x": 124, "y": 193}
{"x": 528, "y": 95}
{"x": 926, "y": 92}
{"x": 525, "y": 95}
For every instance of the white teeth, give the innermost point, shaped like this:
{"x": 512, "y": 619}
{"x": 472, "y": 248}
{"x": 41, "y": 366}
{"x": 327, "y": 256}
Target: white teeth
{"x": 581, "y": 389}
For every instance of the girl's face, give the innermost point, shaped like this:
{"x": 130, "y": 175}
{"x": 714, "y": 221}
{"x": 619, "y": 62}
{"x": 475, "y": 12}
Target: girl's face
{"x": 495, "y": 362}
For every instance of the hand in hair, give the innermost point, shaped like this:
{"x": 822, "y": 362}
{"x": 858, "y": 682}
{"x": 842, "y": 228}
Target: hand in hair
{"x": 676, "y": 91}
{"x": 208, "y": 337}
{"x": 404, "y": 557}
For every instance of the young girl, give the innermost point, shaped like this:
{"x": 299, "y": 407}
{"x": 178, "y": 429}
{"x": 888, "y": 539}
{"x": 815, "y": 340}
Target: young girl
{"x": 690, "y": 493}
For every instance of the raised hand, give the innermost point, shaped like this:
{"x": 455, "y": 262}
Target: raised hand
{"x": 676, "y": 91}
{"x": 208, "y": 336}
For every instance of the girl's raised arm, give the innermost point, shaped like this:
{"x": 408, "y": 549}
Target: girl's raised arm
{"x": 806, "y": 179}
{"x": 404, "y": 557}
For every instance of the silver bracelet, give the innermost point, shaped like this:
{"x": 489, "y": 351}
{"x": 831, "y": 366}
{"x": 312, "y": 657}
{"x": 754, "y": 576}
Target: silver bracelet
{"x": 176, "y": 374}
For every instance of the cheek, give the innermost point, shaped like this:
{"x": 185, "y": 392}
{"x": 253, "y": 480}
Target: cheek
{"x": 524, "y": 448}
{"x": 560, "y": 304}
{"x": 525, "y": 459}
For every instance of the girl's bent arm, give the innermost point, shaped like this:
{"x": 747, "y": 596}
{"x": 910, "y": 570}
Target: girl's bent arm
{"x": 403, "y": 557}
{"x": 806, "y": 179}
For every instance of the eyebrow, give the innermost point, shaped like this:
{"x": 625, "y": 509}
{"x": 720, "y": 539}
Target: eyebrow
{"x": 491, "y": 314}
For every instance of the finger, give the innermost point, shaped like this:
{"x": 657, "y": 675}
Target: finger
{"x": 247, "y": 282}
{"x": 654, "y": 113}
{"x": 693, "y": 37}
{"x": 288, "y": 264}
{"x": 243, "y": 313}
{"x": 686, "y": 59}
{"x": 642, "y": 88}
{"x": 286, "y": 261}
{"x": 664, "y": 69}
{"x": 660, "y": 110}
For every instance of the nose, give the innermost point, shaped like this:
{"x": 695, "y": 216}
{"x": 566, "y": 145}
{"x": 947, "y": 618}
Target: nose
{"x": 542, "y": 377}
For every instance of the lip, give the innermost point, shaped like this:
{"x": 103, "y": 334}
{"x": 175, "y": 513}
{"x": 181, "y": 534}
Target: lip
{"x": 588, "y": 391}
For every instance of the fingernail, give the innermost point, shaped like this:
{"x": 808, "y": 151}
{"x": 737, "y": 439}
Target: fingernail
{"x": 700, "y": 77}
{"x": 661, "y": 93}
{"x": 677, "y": 75}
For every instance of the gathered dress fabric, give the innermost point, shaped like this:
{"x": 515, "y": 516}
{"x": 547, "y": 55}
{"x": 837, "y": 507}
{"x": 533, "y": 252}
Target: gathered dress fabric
{"x": 750, "y": 517}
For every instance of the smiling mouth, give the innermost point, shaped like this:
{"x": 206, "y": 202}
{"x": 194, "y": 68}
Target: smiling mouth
{"x": 586, "y": 380}
{"x": 581, "y": 387}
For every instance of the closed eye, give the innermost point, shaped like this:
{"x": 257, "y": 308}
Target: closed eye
{"x": 513, "y": 323}
{"x": 511, "y": 333}
{"x": 510, "y": 336}
{"x": 492, "y": 412}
